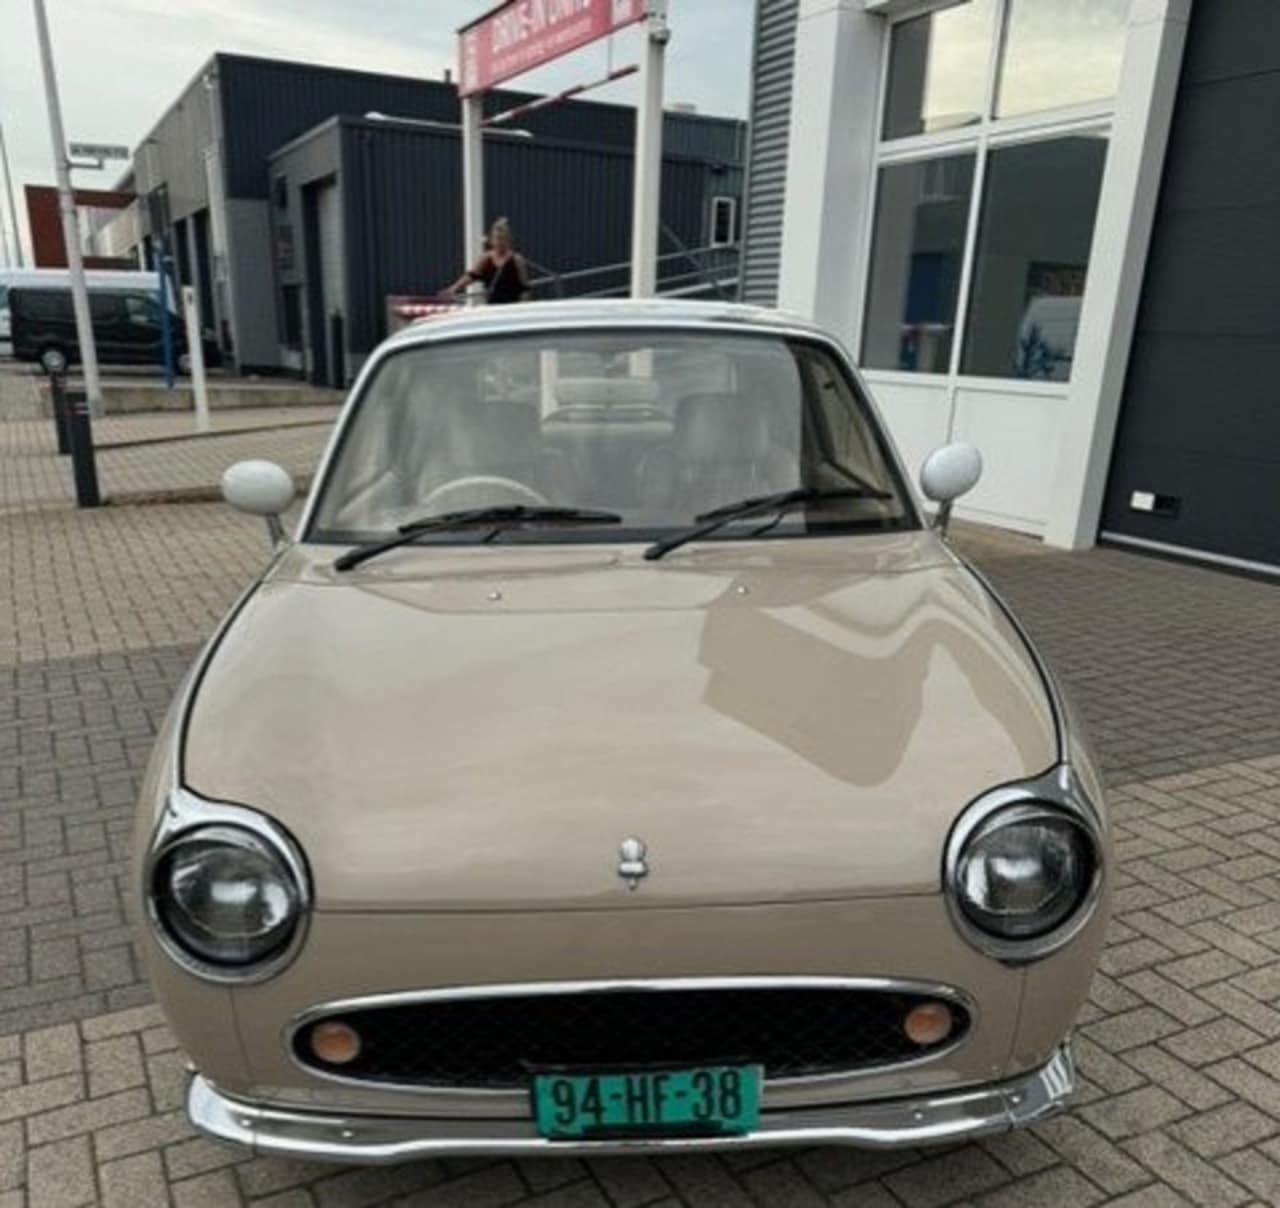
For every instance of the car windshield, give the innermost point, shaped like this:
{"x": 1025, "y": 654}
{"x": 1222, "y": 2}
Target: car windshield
{"x": 658, "y": 427}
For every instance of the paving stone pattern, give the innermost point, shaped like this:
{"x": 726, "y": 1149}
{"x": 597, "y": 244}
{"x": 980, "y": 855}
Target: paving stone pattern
{"x": 113, "y": 579}
{"x": 149, "y": 455}
{"x": 1176, "y": 669}
{"x": 35, "y": 476}
{"x": 1173, "y": 667}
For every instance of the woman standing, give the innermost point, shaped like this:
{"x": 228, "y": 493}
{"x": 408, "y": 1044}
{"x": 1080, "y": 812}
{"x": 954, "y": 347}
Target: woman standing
{"x": 501, "y": 270}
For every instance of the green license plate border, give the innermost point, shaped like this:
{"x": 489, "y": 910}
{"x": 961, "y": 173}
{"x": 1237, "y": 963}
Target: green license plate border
{"x": 675, "y": 1131}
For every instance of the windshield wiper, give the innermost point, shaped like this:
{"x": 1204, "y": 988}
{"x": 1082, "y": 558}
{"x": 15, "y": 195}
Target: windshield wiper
{"x": 497, "y": 518}
{"x": 757, "y": 505}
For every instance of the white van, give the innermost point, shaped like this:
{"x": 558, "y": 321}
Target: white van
{"x": 53, "y": 278}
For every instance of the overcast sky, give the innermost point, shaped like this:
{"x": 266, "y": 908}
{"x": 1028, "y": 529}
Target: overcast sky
{"x": 121, "y": 63}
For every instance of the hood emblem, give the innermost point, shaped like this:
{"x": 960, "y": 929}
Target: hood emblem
{"x": 632, "y": 861}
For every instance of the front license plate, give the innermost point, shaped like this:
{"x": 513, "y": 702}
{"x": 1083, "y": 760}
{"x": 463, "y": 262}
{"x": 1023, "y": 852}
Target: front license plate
{"x": 721, "y": 1100}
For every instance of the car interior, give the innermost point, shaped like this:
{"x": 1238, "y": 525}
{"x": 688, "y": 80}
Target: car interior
{"x": 609, "y": 440}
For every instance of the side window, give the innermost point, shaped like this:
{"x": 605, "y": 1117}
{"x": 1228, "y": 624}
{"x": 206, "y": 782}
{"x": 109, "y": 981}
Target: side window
{"x": 142, "y": 310}
{"x": 105, "y": 308}
{"x": 724, "y": 221}
{"x": 41, "y": 304}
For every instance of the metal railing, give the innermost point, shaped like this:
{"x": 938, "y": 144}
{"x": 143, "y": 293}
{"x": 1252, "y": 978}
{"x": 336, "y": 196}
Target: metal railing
{"x": 685, "y": 272}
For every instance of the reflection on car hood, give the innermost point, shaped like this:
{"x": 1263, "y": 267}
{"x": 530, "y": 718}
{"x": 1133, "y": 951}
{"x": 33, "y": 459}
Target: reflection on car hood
{"x": 460, "y": 729}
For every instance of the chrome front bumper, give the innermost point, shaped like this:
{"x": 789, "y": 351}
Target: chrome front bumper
{"x": 884, "y": 1124}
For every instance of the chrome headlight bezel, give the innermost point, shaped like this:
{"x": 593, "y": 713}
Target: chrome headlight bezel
{"x": 187, "y": 818}
{"x": 1057, "y": 795}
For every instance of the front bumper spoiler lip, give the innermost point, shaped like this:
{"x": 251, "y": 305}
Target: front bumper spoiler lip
{"x": 884, "y": 1124}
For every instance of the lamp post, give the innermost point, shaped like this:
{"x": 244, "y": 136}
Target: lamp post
{"x": 70, "y": 226}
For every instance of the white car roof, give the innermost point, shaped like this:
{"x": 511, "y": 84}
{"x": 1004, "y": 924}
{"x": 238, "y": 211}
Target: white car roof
{"x": 536, "y": 316}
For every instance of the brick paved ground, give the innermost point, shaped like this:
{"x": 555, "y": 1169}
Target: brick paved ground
{"x": 119, "y": 579}
{"x": 132, "y": 467}
{"x": 1177, "y": 669}
{"x": 147, "y": 455}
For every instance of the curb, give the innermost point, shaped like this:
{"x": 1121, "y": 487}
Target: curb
{"x": 199, "y": 494}
{"x": 142, "y": 442}
{"x": 129, "y": 499}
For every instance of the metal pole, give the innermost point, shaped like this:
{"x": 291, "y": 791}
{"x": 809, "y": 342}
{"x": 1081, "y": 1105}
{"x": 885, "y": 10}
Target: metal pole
{"x": 472, "y": 179}
{"x": 166, "y": 322}
{"x": 13, "y": 207}
{"x": 647, "y": 208}
{"x": 70, "y": 225}
{"x": 195, "y": 351}
{"x": 4, "y": 243}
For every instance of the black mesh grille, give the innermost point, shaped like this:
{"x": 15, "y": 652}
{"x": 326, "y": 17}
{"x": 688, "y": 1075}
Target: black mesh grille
{"x": 494, "y": 1042}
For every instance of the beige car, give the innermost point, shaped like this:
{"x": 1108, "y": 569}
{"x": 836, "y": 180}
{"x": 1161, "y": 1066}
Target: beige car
{"x": 616, "y": 759}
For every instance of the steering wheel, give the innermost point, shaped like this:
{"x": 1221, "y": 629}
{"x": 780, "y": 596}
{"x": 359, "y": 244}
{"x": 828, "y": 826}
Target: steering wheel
{"x": 478, "y": 490}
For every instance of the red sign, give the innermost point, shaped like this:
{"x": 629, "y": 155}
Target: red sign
{"x": 403, "y": 309}
{"x": 525, "y": 34}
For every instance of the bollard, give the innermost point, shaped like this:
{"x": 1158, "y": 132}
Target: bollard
{"x": 61, "y": 419}
{"x": 337, "y": 351}
{"x": 80, "y": 430}
{"x": 195, "y": 353}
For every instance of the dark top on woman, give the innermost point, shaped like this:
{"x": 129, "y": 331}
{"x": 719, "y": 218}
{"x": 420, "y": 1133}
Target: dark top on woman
{"x": 503, "y": 282}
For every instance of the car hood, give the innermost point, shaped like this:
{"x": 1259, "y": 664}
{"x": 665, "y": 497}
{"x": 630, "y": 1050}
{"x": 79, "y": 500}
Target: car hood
{"x": 482, "y": 728}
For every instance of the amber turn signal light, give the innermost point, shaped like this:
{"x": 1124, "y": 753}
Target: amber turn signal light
{"x": 335, "y": 1043}
{"x": 928, "y": 1024}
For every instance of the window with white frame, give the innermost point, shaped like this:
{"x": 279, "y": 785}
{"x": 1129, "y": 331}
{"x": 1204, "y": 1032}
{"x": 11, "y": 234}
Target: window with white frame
{"x": 724, "y": 221}
{"x": 994, "y": 132}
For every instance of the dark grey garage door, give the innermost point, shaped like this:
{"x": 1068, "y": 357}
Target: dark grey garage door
{"x": 1197, "y": 456}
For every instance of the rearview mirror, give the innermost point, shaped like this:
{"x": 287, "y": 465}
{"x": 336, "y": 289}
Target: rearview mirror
{"x": 947, "y": 474}
{"x": 260, "y": 488}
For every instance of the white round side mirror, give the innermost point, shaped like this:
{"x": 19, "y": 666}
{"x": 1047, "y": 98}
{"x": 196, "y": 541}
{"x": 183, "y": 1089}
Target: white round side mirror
{"x": 947, "y": 474}
{"x": 260, "y": 488}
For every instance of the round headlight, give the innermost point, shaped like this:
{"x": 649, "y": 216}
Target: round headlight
{"x": 1024, "y": 872}
{"x": 226, "y": 896}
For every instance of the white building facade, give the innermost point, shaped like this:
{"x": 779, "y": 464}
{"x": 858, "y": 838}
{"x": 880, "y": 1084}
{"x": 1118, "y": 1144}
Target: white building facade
{"x": 967, "y": 190}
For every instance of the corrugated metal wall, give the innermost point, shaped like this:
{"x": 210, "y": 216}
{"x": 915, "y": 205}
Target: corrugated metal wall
{"x": 768, "y": 140}
{"x": 173, "y": 153}
{"x": 269, "y": 103}
{"x": 403, "y": 191}
{"x": 570, "y": 206}
{"x": 701, "y": 137}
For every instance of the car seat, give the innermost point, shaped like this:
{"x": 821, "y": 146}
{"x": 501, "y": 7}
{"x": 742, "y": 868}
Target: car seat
{"x": 723, "y": 449}
{"x": 490, "y": 439}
